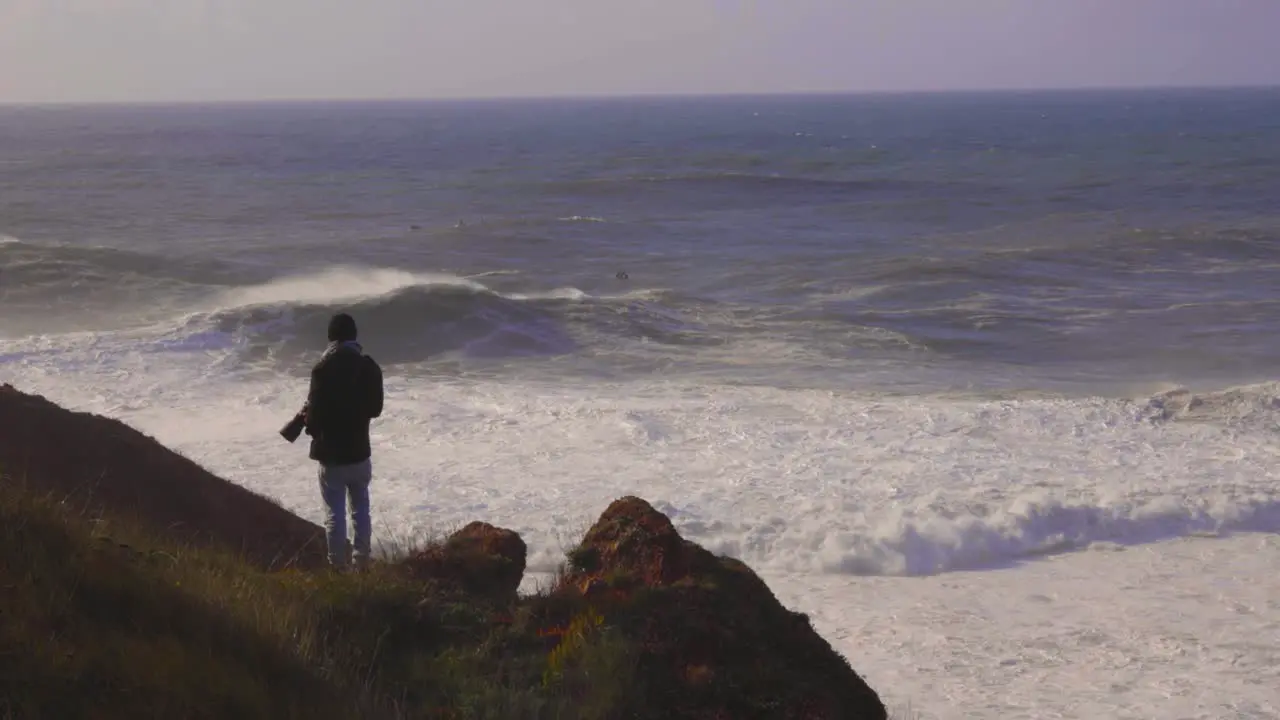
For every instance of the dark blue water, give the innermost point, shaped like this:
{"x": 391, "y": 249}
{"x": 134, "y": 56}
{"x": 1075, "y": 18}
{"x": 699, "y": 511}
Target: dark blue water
{"x": 1055, "y": 241}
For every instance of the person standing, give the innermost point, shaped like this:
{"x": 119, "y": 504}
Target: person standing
{"x": 345, "y": 395}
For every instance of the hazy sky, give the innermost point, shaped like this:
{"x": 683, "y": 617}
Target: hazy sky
{"x": 91, "y": 50}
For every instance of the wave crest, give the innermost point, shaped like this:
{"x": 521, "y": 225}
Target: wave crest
{"x": 410, "y": 317}
{"x": 922, "y": 542}
{"x": 1247, "y": 404}
{"x": 403, "y": 317}
{"x": 337, "y": 285}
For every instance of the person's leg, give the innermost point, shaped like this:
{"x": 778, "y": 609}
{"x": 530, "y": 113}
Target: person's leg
{"x": 358, "y": 486}
{"x": 334, "y": 492}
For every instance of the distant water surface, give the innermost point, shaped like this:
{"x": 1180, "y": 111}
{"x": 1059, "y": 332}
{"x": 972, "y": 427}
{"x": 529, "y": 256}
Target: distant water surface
{"x": 1074, "y": 242}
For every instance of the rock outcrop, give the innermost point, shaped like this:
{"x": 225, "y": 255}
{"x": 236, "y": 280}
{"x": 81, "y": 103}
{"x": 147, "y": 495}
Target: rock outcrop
{"x": 479, "y": 558}
{"x": 101, "y": 464}
{"x": 713, "y": 639}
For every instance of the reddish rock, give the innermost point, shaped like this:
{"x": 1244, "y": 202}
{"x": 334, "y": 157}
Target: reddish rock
{"x": 100, "y": 464}
{"x": 632, "y": 539}
{"x": 712, "y": 637}
{"x": 479, "y": 558}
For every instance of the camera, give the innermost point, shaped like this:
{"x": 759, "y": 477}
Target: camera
{"x": 294, "y": 428}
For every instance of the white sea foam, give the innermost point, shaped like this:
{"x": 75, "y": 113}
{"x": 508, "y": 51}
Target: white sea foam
{"x": 1180, "y": 629}
{"x": 855, "y": 484}
{"x": 492, "y": 273}
{"x": 342, "y": 284}
{"x": 808, "y": 486}
{"x": 565, "y": 293}
{"x": 337, "y": 284}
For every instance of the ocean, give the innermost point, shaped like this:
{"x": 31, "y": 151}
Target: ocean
{"x": 984, "y": 383}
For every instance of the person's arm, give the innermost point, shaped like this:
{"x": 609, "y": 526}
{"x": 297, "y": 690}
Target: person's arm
{"x": 319, "y": 399}
{"x": 376, "y": 409}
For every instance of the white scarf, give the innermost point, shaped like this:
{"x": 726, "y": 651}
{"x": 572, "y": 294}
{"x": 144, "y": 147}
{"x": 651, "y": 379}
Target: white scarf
{"x": 336, "y": 346}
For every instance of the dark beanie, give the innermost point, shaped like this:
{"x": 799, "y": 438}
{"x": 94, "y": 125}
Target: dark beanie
{"x": 342, "y": 328}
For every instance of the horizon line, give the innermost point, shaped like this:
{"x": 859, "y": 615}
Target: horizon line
{"x": 411, "y": 99}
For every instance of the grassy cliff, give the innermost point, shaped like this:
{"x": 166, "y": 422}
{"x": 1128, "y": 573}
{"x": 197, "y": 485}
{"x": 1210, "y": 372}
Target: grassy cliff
{"x": 101, "y": 619}
{"x": 166, "y": 608}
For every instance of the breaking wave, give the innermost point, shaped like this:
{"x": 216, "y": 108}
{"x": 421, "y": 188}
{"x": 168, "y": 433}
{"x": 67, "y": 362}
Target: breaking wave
{"x": 1245, "y": 405}
{"x": 1031, "y": 529}
{"x": 931, "y": 541}
{"x": 410, "y": 317}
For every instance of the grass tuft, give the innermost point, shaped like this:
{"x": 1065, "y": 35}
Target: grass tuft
{"x": 105, "y": 619}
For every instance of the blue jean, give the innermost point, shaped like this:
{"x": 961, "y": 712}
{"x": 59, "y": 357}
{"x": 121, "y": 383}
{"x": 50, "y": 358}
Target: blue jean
{"x": 337, "y": 484}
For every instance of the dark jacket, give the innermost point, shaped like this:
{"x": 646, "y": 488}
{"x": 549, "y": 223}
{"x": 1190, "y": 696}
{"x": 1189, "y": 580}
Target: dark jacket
{"x": 340, "y": 405}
